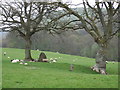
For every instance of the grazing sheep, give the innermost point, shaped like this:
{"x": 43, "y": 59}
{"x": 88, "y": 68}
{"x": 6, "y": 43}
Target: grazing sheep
{"x": 37, "y": 49}
{"x": 8, "y": 57}
{"x": 4, "y": 53}
{"x": 54, "y": 61}
{"x": 21, "y": 63}
{"x": 51, "y": 58}
{"x": 113, "y": 62}
{"x": 106, "y": 62}
{"x": 25, "y": 63}
{"x": 73, "y": 60}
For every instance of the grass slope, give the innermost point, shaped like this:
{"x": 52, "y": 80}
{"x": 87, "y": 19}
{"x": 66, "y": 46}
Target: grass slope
{"x": 55, "y": 75}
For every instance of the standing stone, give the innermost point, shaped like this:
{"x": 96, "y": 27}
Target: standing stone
{"x": 41, "y": 57}
{"x": 71, "y": 67}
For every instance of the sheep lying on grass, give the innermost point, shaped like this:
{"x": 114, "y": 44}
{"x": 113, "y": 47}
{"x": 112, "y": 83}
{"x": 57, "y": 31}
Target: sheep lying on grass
{"x": 33, "y": 60}
{"x": 53, "y": 60}
{"x": 110, "y": 62}
{"x": 25, "y": 63}
{"x": 21, "y": 63}
{"x": 17, "y": 60}
{"x": 45, "y": 60}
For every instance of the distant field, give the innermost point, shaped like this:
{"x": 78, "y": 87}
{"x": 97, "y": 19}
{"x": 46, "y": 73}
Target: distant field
{"x": 55, "y": 75}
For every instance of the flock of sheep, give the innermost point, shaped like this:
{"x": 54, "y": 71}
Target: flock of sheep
{"x": 24, "y": 63}
{"x": 43, "y": 60}
{"x": 20, "y": 61}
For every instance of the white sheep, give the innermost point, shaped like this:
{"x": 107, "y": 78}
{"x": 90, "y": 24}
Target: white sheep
{"x": 113, "y": 62}
{"x": 8, "y": 57}
{"x": 14, "y": 61}
{"x": 54, "y": 61}
{"x": 37, "y": 49}
{"x": 51, "y": 58}
{"x": 106, "y": 62}
{"x": 45, "y": 60}
{"x": 73, "y": 60}
{"x": 25, "y": 63}
{"x": 59, "y": 57}
{"x": 21, "y": 60}
{"x": 17, "y": 60}
{"x": 21, "y": 63}
{"x": 4, "y": 53}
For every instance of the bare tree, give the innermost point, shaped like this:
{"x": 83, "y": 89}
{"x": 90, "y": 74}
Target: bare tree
{"x": 100, "y": 21}
{"x": 26, "y": 18}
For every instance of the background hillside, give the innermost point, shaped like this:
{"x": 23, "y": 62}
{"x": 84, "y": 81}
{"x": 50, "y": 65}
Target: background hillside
{"x": 75, "y": 43}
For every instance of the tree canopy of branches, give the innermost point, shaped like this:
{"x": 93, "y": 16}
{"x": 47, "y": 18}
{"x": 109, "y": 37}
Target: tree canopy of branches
{"x": 100, "y": 21}
{"x": 26, "y": 19}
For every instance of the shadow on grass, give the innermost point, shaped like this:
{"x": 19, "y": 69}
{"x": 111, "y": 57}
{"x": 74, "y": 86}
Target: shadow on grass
{"x": 59, "y": 67}
{"x": 65, "y": 67}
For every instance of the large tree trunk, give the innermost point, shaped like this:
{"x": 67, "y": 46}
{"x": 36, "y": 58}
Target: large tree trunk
{"x": 119, "y": 47}
{"x": 101, "y": 59}
{"x": 28, "y": 49}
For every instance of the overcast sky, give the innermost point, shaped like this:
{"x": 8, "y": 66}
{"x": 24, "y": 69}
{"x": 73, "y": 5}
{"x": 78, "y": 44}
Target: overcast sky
{"x": 91, "y": 2}
{"x": 78, "y": 1}
{"x": 72, "y": 1}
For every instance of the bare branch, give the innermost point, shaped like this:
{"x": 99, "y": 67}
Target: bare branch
{"x": 101, "y": 17}
{"x": 116, "y": 9}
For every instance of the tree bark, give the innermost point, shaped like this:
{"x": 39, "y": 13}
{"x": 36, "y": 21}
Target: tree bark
{"x": 101, "y": 58}
{"x": 28, "y": 56}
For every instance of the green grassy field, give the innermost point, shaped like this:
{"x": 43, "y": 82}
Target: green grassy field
{"x": 55, "y": 75}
